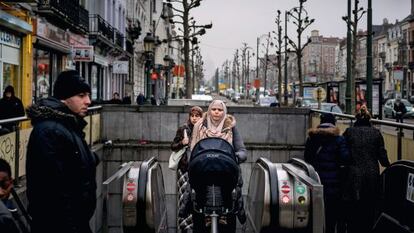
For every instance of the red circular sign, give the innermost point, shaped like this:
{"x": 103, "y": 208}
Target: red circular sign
{"x": 285, "y": 189}
{"x": 131, "y": 187}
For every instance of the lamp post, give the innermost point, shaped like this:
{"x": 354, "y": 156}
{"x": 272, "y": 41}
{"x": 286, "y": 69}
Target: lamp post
{"x": 168, "y": 64}
{"x": 369, "y": 56}
{"x": 285, "y": 94}
{"x": 149, "y": 42}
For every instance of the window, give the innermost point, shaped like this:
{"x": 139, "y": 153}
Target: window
{"x": 11, "y": 76}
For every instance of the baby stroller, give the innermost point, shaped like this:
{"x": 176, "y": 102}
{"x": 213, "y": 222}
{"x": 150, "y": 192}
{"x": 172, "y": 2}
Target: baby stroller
{"x": 213, "y": 174}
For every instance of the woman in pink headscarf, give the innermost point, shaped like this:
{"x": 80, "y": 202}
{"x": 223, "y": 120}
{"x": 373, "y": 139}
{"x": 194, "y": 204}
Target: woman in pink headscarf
{"x": 217, "y": 123}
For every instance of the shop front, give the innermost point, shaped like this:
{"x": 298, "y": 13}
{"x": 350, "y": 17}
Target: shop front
{"x": 13, "y": 36}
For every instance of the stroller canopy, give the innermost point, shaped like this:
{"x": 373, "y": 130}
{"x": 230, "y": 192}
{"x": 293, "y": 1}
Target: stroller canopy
{"x": 213, "y": 161}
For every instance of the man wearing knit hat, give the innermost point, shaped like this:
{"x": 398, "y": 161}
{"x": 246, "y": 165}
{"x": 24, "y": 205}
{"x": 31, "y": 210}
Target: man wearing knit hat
{"x": 60, "y": 167}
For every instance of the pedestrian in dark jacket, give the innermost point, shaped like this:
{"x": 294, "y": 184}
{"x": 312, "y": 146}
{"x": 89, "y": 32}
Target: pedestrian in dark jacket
{"x": 10, "y": 107}
{"x": 363, "y": 183}
{"x": 327, "y": 152}
{"x": 8, "y": 219}
{"x": 217, "y": 123}
{"x": 60, "y": 167}
{"x": 179, "y": 142}
{"x": 399, "y": 109}
{"x": 140, "y": 99}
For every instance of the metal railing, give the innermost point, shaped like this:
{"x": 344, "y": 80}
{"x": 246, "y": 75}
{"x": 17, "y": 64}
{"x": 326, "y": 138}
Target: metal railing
{"x": 68, "y": 9}
{"x": 119, "y": 38}
{"x": 13, "y": 144}
{"x": 98, "y": 25}
{"x": 399, "y": 126}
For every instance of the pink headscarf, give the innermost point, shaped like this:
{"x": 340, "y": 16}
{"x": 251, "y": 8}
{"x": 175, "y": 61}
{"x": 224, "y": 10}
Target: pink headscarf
{"x": 216, "y": 126}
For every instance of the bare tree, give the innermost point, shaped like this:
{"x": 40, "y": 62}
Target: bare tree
{"x": 183, "y": 15}
{"x": 302, "y": 21}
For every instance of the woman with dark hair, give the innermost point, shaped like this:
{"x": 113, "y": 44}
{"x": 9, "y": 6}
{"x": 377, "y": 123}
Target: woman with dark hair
{"x": 367, "y": 148}
{"x": 182, "y": 139}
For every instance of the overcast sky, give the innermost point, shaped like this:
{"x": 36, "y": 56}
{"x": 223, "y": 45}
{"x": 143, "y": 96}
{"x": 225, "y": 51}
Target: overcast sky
{"x": 238, "y": 21}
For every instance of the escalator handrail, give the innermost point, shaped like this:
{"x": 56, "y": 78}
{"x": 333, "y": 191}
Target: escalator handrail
{"x": 274, "y": 190}
{"x": 307, "y": 167}
{"x": 141, "y": 194}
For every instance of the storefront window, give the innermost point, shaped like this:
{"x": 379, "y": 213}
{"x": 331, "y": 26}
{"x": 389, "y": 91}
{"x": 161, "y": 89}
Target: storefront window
{"x": 11, "y": 76}
{"x": 42, "y": 80}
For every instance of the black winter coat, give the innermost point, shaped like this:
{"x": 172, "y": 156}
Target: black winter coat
{"x": 60, "y": 170}
{"x": 10, "y": 108}
{"x": 7, "y": 222}
{"x": 327, "y": 152}
{"x": 367, "y": 148}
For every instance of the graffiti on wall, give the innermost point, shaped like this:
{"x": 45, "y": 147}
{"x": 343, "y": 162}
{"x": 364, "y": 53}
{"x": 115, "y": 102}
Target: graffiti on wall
{"x": 7, "y": 148}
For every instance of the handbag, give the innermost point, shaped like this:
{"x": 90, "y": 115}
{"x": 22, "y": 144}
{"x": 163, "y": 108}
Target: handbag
{"x": 176, "y": 156}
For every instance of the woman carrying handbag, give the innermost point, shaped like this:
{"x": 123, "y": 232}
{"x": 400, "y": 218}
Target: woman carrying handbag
{"x": 179, "y": 161}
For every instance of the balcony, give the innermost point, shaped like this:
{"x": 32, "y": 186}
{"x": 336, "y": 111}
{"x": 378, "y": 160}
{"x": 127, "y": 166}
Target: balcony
{"x": 99, "y": 27}
{"x": 65, "y": 13}
{"x": 119, "y": 39}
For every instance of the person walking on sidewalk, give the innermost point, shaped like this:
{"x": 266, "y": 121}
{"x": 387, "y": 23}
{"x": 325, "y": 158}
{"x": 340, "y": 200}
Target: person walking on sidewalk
{"x": 399, "y": 109}
{"x": 60, "y": 167}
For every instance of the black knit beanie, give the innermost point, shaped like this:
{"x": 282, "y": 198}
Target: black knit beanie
{"x": 69, "y": 83}
{"x": 328, "y": 118}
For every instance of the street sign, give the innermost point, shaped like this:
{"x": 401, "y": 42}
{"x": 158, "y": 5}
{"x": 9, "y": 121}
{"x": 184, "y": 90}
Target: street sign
{"x": 319, "y": 94}
{"x": 256, "y": 83}
{"x": 248, "y": 86}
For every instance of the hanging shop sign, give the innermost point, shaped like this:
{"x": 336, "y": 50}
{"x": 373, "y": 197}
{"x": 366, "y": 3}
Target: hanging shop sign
{"x": 10, "y": 39}
{"x": 83, "y": 53}
{"x": 120, "y": 67}
{"x": 398, "y": 74}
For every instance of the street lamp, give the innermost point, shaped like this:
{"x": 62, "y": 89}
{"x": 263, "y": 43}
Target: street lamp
{"x": 149, "y": 42}
{"x": 168, "y": 65}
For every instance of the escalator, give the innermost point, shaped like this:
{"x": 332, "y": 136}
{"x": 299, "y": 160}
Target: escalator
{"x": 143, "y": 197}
{"x": 284, "y": 197}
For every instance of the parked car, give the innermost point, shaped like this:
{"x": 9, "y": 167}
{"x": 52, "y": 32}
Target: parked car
{"x": 306, "y": 103}
{"x": 328, "y": 107}
{"x": 235, "y": 97}
{"x": 390, "y": 94}
{"x": 268, "y": 101}
{"x": 389, "y": 108}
